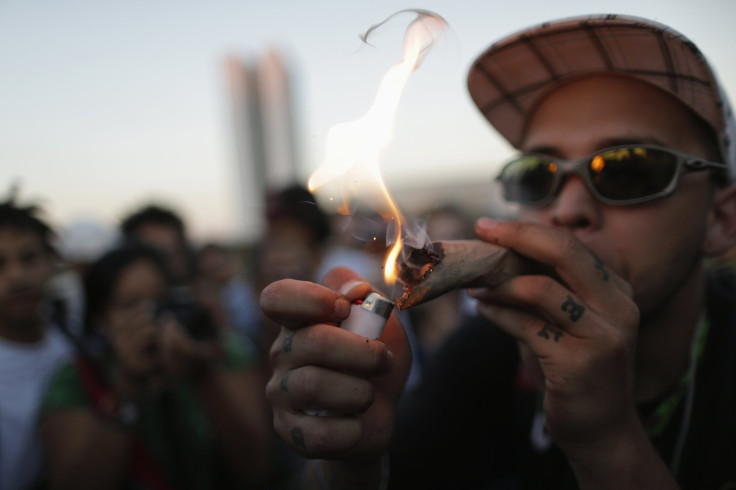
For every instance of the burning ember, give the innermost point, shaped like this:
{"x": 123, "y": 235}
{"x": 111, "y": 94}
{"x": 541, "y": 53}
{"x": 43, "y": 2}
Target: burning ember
{"x": 433, "y": 270}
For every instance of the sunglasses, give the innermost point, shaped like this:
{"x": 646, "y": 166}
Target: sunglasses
{"x": 620, "y": 175}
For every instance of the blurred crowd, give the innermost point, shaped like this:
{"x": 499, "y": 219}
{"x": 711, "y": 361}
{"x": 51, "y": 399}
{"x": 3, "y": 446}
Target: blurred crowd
{"x": 145, "y": 366}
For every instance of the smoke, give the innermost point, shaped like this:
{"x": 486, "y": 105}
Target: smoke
{"x": 426, "y": 29}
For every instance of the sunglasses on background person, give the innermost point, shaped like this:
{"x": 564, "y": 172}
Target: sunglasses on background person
{"x": 621, "y": 175}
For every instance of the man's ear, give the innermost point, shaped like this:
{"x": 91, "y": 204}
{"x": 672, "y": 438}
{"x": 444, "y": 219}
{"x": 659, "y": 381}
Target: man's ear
{"x": 721, "y": 232}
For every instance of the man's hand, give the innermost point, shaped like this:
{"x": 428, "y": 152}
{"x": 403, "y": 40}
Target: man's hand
{"x": 318, "y": 366}
{"x": 578, "y": 330}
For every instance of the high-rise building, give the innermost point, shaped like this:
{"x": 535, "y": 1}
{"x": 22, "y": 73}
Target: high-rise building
{"x": 264, "y": 133}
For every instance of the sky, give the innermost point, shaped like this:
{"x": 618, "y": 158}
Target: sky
{"x": 105, "y": 105}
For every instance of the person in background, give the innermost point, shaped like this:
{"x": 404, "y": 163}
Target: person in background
{"x": 220, "y": 274}
{"x": 297, "y": 230}
{"x": 163, "y": 229}
{"x": 31, "y": 346}
{"x": 160, "y": 397}
{"x": 79, "y": 244}
{"x": 614, "y": 371}
{"x": 358, "y": 241}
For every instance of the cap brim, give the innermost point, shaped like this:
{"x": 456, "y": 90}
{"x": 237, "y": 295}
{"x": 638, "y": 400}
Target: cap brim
{"x": 513, "y": 75}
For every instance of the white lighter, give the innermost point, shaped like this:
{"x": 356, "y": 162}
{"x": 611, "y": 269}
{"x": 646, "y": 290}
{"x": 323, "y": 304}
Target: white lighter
{"x": 367, "y": 318}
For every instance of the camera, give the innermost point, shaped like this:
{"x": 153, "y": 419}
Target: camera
{"x": 193, "y": 316}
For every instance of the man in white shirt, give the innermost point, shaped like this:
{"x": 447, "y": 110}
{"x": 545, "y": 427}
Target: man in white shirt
{"x": 29, "y": 349}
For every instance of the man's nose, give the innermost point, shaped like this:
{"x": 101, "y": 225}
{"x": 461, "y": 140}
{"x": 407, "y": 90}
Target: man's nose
{"x": 575, "y": 207}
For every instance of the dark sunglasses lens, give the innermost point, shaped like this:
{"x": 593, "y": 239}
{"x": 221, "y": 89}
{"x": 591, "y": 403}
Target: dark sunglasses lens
{"x": 528, "y": 179}
{"x": 632, "y": 173}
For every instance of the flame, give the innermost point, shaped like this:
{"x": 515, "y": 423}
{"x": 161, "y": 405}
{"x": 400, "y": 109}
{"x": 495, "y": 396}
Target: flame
{"x": 354, "y": 149}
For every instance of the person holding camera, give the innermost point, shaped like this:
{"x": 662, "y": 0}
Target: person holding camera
{"x": 158, "y": 398}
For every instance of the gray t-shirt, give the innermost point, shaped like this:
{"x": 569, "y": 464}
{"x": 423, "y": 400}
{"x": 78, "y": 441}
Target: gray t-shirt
{"x": 25, "y": 370}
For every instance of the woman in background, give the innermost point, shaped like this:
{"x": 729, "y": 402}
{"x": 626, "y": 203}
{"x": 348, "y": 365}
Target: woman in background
{"x": 160, "y": 397}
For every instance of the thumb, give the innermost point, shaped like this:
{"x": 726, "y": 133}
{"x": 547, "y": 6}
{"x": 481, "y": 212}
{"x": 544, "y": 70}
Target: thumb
{"x": 348, "y": 283}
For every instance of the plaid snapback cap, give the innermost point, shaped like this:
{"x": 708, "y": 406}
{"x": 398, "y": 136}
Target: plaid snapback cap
{"x": 508, "y": 80}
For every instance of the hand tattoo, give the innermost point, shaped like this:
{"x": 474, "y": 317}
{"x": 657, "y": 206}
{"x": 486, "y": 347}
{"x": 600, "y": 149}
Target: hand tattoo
{"x": 288, "y": 340}
{"x": 600, "y": 266}
{"x": 548, "y": 330}
{"x": 297, "y": 436}
{"x": 284, "y": 382}
{"x": 576, "y": 310}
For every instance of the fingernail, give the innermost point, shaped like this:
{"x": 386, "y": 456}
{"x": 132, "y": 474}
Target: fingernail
{"x": 342, "y": 308}
{"x": 348, "y": 286}
{"x": 389, "y": 360}
{"x": 486, "y": 224}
